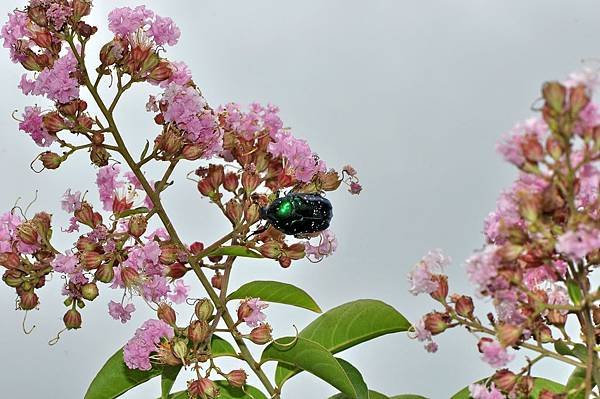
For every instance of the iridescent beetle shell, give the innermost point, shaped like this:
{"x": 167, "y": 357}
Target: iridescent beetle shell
{"x": 299, "y": 213}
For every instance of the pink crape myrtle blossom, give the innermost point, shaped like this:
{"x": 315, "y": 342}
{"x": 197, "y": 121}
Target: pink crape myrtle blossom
{"x": 482, "y": 267}
{"x": 119, "y": 312}
{"x": 421, "y": 334}
{"x": 58, "y": 14}
{"x": 577, "y": 244}
{"x": 32, "y": 124}
{"x": 16, "y": 28}
{"x": 421, "y": 277}
{"x": 297, "y": 155}
{"x": 67, "y": 263}
{"x": 513, "y": 145}
{"x": 136, "y": 352}
{"x": 493, "y": 353}
{"x": 57, "y": 83}
{"x": 253, "y": 308}
{"x": 326, "y": 246}
{"x": 71, "y": 201}
{"x": 126, "y": 21}
{"x": 164, "y": 31}
{"x": 180, "y": 292}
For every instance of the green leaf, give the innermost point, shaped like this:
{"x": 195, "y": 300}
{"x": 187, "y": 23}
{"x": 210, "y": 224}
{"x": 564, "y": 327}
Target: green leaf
{"x": 219, "y": 347}
{"x": 115, "y": 378}
{"x": 580, "y": 352}
{"x": 576, "y": 380}
{"x": 315, "y": 359}
{"x": 235, "y": 250}
{"x": 372, "y": 395}
{"x": 167, "y": 380}
{"x": 538, "y": 385}
{"x": 273, "y": 291}
{"x": 562, "y": 348}
{"x": 574, "y": 292}
{"x": 228, "y": 392}
{"x": 360, "y": 387}
{"x": 145, "y": 150}
{"x": 346, "y": 326}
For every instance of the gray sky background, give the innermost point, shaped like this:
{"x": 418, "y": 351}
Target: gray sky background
{"x": 414, "y": 94}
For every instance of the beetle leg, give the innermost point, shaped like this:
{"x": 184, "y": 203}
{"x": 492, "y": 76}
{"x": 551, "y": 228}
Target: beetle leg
{"x": 259, "y": 230}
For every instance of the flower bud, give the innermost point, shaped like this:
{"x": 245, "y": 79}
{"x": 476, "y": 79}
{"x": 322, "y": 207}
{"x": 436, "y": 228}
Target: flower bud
{"x": 180, "y": 349}
{"x": 192, "y": 152}
{"x": 578, "y": 99}
{"x": 554, "y": 148}
{"x": 204, "y": 309}
{"x": 543, "y": 334}
{"x": 13, "y": 278}
{"x": 261, "y": 335}
{"x": 244, "y": 311}
{"x": 233, "y": 211}
{"x": 295, "y": 251}
{"x": 72, "y": 319}
{"x": 464, "y": 306}
{"x": 271, "y": 249}
{"x": 556, "y": 317}
{"x": 555, "y": 94}
{"x": 252, "y": 214}
{"x": 27, "y": 233}
{"x": 137, "y": 225}
{"x": 441, "y": 292}
{"x": 525, "y": 386}
{"x": 97, "y": 138}
{"x": 230, "y": 182}
{"x": 10, "y": 260}
{"x": 38, "y": 15}
{"x": 504, "y": 379}
{"x": 28, "y": 300}
{"x": 436, "y": 322}
{"x": 105, "y": 273}
{"x": 215, "y": 175}
{"x": 596, "y": 315}
{"x": 91, "y": 259}
{"x": 85, "y": 215}
{"x": 196, "y": 248}
{"x": 81, "y": 8}
{"x": 51, "y": 160}
{"x": 250, "y": 181}
{"x": 176, "y": 270}
{"x": 285, "y": 261}
{"x": 508, "y": 334}
{"x": 89, "y": 291}
{"x": 151, "y": 61}
{"x": 217, "y": 281}
{"x": 168, "y": 254}
{"x": 167, "y": 355}
{"x": 198, "y": 331}
{"x": 129, "y": 276}
{"x": 546, "y": 394}
{"x": 53, "y": 122}
{"x": 532, "y": 149}
{"x": 99, "y": 156}
{"x": 166, "y": 314}
{"x": 355, "y": 188}
{"x": 113, "y": 52}
{"x": 203, "y": 389}
{"x": 161, "y": 72}
{"x": 206, "y": 188}
{"x": 237, "y": 378}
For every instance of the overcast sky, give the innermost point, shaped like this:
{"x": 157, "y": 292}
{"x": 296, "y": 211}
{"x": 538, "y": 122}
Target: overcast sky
{"x": 414, "y": 94}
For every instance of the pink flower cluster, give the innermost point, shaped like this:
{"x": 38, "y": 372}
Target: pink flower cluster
{"x": 138, "y": 349}
{"x": 118, "y": 195}
{"x": 421, "y": 278}
{"x": 9, "y": 238}
{"x": 256, "y": 315}
{"x": 126, "y": 21}
{"x": 32, "y": 124}
{"x": 15, "y": 29}
{"x": 58, "y": 83}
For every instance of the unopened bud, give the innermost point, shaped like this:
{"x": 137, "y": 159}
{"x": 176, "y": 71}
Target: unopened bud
{"x": 554, "y": 148}
{"x": 85, "y": 244}
{"x": 192, "y": 152}
{"x": 543, "y": 334}
{"x": 217, "y": 281}
{"x": 441, "y": 292}
{"x": 555, "y": 94}
{"x": 168, "y": 254}
{"x": 85, "y": 215}
{"x": 137, "y": 225}
{"x": 166, "y": 314}
{"x": 162, "y": 71}
{"x": 261, "y": 335}
{"x": 233, "y": 211}
{"x": 13, "y": 278}
{"x": 91, "y": 260}
{"x": 176, "y": 270}
{"x": 81, "y": 8}
{"x": 504, "y": 379}
{"x": 105, "y": 273}
{"x": 10, "y": 260}
{"x": 250, "y": 181}
{"x": 27, "y": 233}
{"x": 180, "y": 349}
{"x": 215, "y": 175}
{"x": 196, "y": 248}
{"x": 198, "y": 331}
{"x": 532, "y": 149}
{"x": 38, "y": 15}
{"x": 204, "y": 309}
{"x": 129, "y": 276}
{"x": 285, "y": 261}
{"x": 237, "y": 378}
{"x": 230, "y": 182}
{"x": 53, "y": 122}
{"x": 508, "y": 334}
{"x": 99, "y": 156}
{"x": 203, "y": 389}
{"x": 556, "y": 317}
{"x": 51, "y": 160}
{"x": 464, "y": 306}
{"x": 252, "y": 214}
{"x": 28, "y": 300}
{"x": 72, "y": 319}
{"x": 206, "y": 188}
{"x": 271, "y": 249}
{"x": 436, "y": 322}
{"x": 89, "y": 291}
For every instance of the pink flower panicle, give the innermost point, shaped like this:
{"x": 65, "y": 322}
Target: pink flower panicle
{"x": 126, "y": 21}
{"x": 119, "y": 312}
{"x": 57, "y": 83}
{"x": 32, "y": 124}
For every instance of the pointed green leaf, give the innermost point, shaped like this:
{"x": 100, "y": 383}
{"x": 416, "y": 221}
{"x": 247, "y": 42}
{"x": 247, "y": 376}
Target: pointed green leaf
{"x": 228, "y": 392}
{"x": 574, "y": 292}
{"x": 131, "y": 212}
{"x": 219, "y": 347}
{"x": 356, "y": 379}
{"x": 315, "y": 359}
{"x": 115, "y": 378}
{"x": 167, "y": 380}
{"x": 235, "y": 250}
{"x": 346, "y": 326}
{"x": 145, "y": 150}
{"x": 538, "y": 385}
{"x": 576, "y": 380}
{"x": 562, "y": 348}
{"x": 274, "y": 291}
